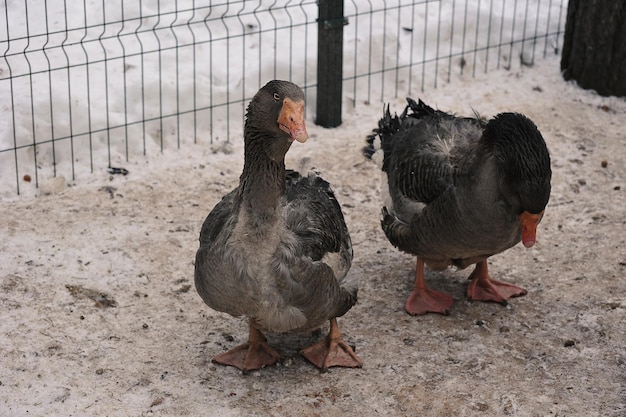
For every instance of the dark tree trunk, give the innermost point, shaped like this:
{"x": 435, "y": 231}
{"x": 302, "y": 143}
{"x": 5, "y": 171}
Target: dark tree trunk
{"x": 594, "y": 48}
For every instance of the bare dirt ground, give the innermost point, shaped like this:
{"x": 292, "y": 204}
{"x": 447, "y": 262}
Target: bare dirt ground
{"x": 99, "y": 315}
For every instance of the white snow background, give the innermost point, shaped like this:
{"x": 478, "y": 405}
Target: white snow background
{"x": 225, "y": 53}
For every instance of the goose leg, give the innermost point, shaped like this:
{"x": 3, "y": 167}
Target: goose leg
{"x": 332, "y": 351}
{"x": 424, "y": 300}
{"x": 254, "y": 354}
{"x": 483, "y": 288}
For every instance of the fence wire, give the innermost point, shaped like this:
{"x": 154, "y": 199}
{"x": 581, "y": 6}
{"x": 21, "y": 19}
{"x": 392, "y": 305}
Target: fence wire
{"x": 406, "y": 46}
{"x": 86, "y": 85}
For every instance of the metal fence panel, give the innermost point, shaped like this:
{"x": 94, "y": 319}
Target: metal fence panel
{"x": 86, "y": 85}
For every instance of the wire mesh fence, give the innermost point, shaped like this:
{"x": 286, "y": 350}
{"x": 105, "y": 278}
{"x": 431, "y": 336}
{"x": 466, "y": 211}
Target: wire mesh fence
{"x": 87, "y": 85}
{"x": 399, "y": 47}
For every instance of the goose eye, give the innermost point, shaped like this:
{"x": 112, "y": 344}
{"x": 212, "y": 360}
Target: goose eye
{"x": 276, "y": 96}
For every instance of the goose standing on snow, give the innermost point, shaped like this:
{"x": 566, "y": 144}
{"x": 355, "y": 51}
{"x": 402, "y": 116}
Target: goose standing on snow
{"x": 276, "y": 249}
{"x": 459, "y": 191}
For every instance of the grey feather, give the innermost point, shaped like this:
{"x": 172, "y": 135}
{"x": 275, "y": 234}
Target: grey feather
{"x": 275, "y": 249}
{"x": 458, "y": 184}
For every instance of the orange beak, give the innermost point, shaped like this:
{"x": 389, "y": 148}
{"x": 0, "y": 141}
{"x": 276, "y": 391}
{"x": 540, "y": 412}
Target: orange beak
{"x": 529, "y": 227}
{"x": 291, "y": 120}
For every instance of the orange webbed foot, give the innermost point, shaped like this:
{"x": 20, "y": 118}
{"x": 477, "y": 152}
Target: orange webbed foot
{"x": 483, "y": 288}
{"x": 249, "y": 356}
{"x": 332, "y": 351}
{"x": 493, "y": 290}
{"x": 255, "y": 354}
{"x": 425, "y": 300}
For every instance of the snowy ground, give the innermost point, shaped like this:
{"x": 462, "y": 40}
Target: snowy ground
{"x": 100, "y": 316}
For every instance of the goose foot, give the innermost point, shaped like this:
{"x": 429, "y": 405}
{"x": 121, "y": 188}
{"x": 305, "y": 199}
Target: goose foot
{"x": 255, "y": 354}
{"x": 332, "y": 351}
{"x": 483, "y": 288}
{"x": 424, "y": 300}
